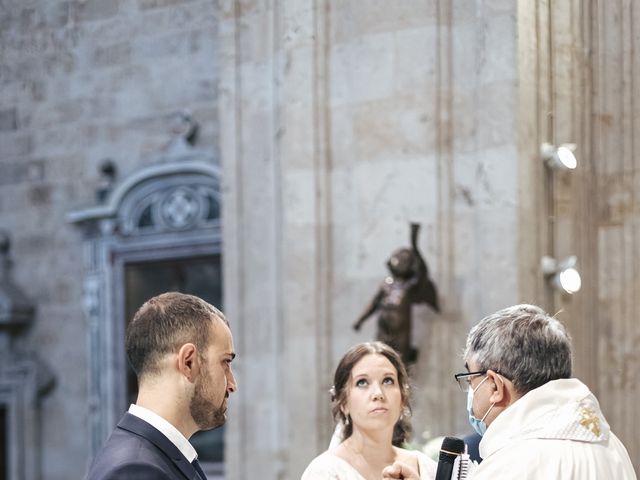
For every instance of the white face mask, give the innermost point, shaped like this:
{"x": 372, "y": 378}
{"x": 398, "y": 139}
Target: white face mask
{"x": 478, "y": 425}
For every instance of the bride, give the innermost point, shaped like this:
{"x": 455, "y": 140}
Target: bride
{"x": 370, "y": 398}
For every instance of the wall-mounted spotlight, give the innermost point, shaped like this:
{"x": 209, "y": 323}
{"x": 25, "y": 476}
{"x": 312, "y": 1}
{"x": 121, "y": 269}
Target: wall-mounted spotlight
{"x": 562, "y": 274}
{"x": 561, "y": 157}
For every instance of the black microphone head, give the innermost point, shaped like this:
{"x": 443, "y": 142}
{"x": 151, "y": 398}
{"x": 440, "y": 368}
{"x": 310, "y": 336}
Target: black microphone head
{"x": 451, "y": 449}
{"x": 451, "y": 446}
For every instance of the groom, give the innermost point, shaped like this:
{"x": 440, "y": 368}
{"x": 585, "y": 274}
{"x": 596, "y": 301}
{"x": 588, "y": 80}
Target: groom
{"x": 181, "y": 349}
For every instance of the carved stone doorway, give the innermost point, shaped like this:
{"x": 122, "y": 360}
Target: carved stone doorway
{"x": 157, "y": 230}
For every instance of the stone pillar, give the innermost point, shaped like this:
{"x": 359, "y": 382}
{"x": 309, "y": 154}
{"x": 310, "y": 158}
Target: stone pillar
{"x": 341, "y": 123}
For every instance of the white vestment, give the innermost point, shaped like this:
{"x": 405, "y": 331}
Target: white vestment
{"x": 556, "y": 431}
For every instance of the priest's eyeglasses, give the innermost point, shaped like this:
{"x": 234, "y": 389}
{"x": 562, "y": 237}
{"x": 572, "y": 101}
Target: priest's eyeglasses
{"x": 464, "y": 379}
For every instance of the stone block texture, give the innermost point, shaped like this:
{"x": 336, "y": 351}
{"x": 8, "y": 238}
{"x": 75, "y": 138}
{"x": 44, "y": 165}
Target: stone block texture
{"x": 82, "y": 81}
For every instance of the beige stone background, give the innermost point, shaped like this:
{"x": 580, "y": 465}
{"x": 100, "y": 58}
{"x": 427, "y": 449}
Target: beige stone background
{"x": 355, "y": 118}
{"x": 336, "y": 122}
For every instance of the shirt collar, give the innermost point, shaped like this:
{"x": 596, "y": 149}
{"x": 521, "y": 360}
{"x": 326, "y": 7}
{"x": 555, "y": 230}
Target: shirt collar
{"x": 168, "y": 430}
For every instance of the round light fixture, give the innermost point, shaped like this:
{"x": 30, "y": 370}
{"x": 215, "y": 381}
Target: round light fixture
{"x": 570, "y": 280}
{"x": 561, "y": 157}
{"x": 562, "y": 275}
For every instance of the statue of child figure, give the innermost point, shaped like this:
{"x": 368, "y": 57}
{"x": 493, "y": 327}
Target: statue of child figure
{"x": 408, "y": 283}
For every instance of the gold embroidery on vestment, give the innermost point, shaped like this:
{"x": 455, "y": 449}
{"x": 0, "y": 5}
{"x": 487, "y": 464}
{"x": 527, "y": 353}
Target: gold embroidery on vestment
{"x": 590, "y": 421}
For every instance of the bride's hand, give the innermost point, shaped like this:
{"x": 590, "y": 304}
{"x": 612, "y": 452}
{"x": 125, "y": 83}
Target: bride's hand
{"x": 399, "y": 471}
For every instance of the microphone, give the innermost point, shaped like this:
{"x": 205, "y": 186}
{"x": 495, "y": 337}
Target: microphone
{"x": 451, "y": 449}
{"x": 464, "y": 467}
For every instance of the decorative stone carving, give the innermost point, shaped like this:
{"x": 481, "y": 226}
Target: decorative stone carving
{"x": 24, "y": 378}
{"x": 16, "y": 311}
{"x": 167, "y": 210}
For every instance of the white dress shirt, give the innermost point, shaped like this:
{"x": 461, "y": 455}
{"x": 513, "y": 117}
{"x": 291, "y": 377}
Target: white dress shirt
{"x": 168, "y": 430}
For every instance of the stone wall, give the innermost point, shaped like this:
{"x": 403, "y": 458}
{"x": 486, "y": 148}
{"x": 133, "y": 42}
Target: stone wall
{"x": 82, "y": 81}
{"x": 341, "y": 123}
{"x": 338, "y": 123}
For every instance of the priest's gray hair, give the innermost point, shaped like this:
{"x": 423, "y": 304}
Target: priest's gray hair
{"x": 522, "y": 343}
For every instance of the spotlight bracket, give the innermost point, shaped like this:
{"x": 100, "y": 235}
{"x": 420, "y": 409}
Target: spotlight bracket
{"x": 554, "y": 270}
{"x": 551, "y": 157}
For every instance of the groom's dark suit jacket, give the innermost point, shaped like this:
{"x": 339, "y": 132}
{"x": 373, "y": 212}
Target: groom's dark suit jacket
{"x": 137, "y": 451}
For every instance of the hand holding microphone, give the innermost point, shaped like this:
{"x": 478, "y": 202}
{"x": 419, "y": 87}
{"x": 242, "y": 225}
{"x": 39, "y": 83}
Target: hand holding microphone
{"x": 452, "y": 464}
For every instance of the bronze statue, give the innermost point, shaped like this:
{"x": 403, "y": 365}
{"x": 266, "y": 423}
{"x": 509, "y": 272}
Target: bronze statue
{"x": 408, "y": 283}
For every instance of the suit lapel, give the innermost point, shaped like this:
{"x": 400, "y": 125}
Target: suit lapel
{"x": 139, "y": 427}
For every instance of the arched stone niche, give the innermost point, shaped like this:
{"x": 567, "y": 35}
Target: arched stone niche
{"x": 169, "y": 210}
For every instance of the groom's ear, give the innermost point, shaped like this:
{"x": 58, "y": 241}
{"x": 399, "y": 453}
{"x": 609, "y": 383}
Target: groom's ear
{"x": 187, "y": 361}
